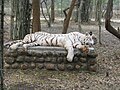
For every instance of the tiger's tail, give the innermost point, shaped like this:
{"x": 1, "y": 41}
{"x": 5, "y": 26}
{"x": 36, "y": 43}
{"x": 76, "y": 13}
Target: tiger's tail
{"x": 8, "y": 44}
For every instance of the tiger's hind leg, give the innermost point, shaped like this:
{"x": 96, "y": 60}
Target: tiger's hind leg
{"x": 25, "y": 46}
{"x": 15, "y": 46}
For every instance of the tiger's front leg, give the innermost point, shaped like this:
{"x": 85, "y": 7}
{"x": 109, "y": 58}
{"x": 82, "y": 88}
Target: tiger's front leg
{"x": 83, "y": 48}
{"x": 70, "y": 54}
{"x": 70, "y": 51}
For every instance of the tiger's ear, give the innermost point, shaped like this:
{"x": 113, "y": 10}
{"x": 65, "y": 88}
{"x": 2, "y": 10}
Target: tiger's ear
{"x": 90, "y": 33}
{"x": 87, "y": 34}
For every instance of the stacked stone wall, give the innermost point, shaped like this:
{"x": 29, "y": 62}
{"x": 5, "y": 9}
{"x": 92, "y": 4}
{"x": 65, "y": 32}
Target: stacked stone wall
{"x": 50, "y": 58}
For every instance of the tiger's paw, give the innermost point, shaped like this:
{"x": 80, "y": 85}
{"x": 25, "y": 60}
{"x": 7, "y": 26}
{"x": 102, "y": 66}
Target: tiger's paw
{"x": 25, "y": 46}
{"x": 85, "y": 49}
{"x": 13, "y": 47}
{"x": 70, "y": 58}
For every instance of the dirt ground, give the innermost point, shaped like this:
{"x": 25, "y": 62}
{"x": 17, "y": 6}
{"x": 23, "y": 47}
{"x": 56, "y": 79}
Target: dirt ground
{"x": 107, "y": 76}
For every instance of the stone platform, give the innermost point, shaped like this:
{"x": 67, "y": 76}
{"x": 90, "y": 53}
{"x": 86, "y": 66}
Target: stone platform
{"x": 50, "y": 58}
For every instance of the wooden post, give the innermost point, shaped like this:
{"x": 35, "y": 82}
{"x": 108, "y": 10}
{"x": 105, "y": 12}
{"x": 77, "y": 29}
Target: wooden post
{"x": 79, "y": 16}
{"x": 52, "y": 11}
{"x": 99, "y": 20}
{"x": 1, "y": 43}
{"x": 20, "y": 18}
{"x": 12, "y": 19}
{"x": 36, "y": 15}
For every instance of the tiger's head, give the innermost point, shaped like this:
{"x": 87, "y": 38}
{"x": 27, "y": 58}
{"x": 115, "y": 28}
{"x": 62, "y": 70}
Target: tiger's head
{"x": 89, "y": 39}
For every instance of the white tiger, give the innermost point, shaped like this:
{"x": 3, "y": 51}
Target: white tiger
{"x": 68, "y": 41}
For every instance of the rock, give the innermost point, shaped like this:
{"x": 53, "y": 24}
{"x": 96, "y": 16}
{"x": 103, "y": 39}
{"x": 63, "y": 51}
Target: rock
{"x": 9, "y": 60}
{"x": 91, "y": 61}
{"x": 75, "y": 59}
{"x": 40, "y": 65}
{"x": 70, "y": 66}
{"x": 77, "y": 67}
{"x": 25, "y": 66}
{"x": 7, "y": 66}
{"x": 84, "y": 66}
{"x": 29, "y": 59}
{"x": 16, "y": 66}
{"x": 92, "y": 55}
{"x": 49, "y": 66}
{"x": 83, "y": 55}
{"x": 60, "y": 60}
{"x": 83, "y": 60}
{"x": 21, "y": 51}
{"x": 13, "y": 54}
{"x": 39, "y": 59}
{"x": 93, "y": 68}
{"x": 32, "y": 66}
{"x": 20, "y": 59}
{"x": 54, "y": 60}
{"x": 44, "y": 54}
{"x": 61, "y": 67}
{"x": 48, "y": 59}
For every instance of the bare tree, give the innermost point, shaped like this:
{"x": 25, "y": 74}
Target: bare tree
{"x": 108, "y": 16}
{"x": 99, "y": 19}
{"x": 67, "y": 19}
{"x": 79, "y": 16}
{"x": 36, "y": 16}
{"x": 12, "y": 19}
{"x": 96, "y": 9}
{"x": 85, "y": 12}
{"x": 61, "y": 6}
{"x": 77, "y": 11}
{"x": 20, "y": 18}
{"x": 48, "y": 13}
{"x": 52, "y": 11}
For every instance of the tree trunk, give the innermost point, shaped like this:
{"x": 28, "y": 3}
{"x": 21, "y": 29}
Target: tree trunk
{"x": 108, "y": 16}
{"x": 52, "y": 11}
{"x": 15, "y": 30}
{"x": 21, "y": 14}
{"x": 97, "y": 2}
{"x": 48, "y": 21}
{"x": 25, "y": 20}
{"x": 61, "y": 2}
{"x": 77, "y": 11}
{"x": 99, "y": 19}
{"x": 36, "y": 16}
{"x": 79, "y": 16}
{"x": 96, "y": 10}
{"x": 67, "y": 19}
{"x": 12, "y": 19}
{"x": 85, "y": 10}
